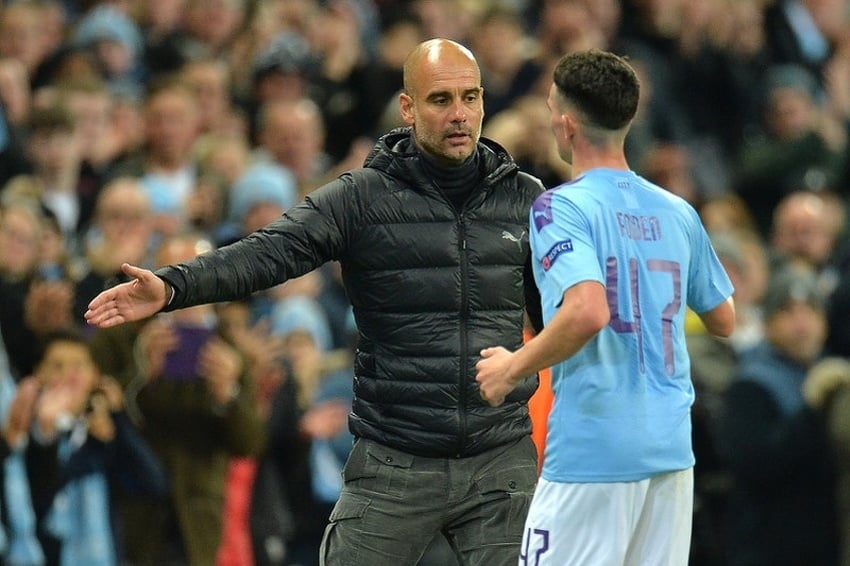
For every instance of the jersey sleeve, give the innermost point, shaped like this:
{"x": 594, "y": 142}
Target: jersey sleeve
{"x": 563, "y": 248}
{"x": 709, "y": 284}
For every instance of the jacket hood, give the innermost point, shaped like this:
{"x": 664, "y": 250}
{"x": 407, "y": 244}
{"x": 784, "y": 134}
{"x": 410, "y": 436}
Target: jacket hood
{"x": 396, "y": 154}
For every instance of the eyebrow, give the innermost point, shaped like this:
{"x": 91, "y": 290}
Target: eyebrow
{"x": 448, "y": 93}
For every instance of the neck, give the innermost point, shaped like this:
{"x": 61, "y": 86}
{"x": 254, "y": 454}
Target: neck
{"x": 608, "y": 155}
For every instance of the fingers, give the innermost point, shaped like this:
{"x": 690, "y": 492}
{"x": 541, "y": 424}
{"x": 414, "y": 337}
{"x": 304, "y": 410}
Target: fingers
{"x": 494, "y": 402}
{"x": 134, "y": 272}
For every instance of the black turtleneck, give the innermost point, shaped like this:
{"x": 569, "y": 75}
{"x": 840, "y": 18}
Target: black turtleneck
{"x": 454, "y": 182}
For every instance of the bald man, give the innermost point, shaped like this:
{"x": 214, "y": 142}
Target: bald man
{"x": 432, "y": 236}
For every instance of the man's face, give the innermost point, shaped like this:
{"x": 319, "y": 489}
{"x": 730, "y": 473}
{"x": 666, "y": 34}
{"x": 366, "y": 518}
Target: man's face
{"x": 798, "y": 331}
{"x": 445, "y": 106}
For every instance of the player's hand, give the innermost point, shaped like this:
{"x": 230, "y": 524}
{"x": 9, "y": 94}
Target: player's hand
{"x": 493, "y": 375}
{"x": 140, "y": 298}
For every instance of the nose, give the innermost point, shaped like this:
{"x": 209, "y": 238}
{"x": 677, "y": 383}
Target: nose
{"x": 458, "y": 112}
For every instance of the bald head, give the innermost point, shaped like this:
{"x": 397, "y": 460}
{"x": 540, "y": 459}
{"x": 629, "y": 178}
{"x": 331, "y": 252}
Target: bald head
{"x": 443, "y": 100}
{"x": 419, "y": 65}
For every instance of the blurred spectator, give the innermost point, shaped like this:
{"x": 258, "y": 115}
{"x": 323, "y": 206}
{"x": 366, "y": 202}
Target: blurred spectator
{"x": 160, "y": 23}
{"x": 782, "y": 504}
{"x": 54, "y": 149}
{"x": 116, "y": 45}
{"x": 347, "y": 82}
{"x": 293, "y": 134}
{"x": 172, "y": 126}
{"x": 210, "y": 78}
{"x": 799, "y": 149}
{"x": 30, "y": 303}
{"x": 670, "y": 165}
{"x": 308, "y": 457}
{"x": 714, "y": 362}
{"x": 827, "y": 389}
{"x": 505, "y": 54}
{"x": 100, "y": 146}
{"x": 71, "y": 446}
{"x": 210, "y": 26}
{"x": 15, "y": 96}
{"x": 805, "y": 32}
{"x": 726, "y": 212}
{"x": 523, "y": 129}
{"x": 198, "y": 411}
{"x": 22, "y": 35}
{"x": 122, "y": 231}
{"x": 261, "y": 194}
{"x": 806, "y": 229}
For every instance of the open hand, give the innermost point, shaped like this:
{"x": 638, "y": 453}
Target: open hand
{"x": 140, "y": 298}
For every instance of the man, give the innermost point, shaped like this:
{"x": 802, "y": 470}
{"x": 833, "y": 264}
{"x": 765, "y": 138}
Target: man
{"x": 617, "y": 260}
{"x": 431, "y": 236}
{"x": 782, "y": 503}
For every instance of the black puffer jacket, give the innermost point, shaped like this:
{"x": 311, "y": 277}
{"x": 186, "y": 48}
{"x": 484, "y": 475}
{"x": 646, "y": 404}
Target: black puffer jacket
{"x": 430, "y": 288}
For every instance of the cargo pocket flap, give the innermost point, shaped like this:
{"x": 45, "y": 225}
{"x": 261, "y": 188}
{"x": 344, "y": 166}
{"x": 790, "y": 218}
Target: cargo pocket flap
{"x": 349, "y": 506}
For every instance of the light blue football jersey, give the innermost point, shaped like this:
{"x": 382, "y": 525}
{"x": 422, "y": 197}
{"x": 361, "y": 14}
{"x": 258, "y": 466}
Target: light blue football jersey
{"x": 622, "y": 404}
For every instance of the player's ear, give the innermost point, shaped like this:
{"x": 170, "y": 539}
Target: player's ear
{"x": 405, "y": 106}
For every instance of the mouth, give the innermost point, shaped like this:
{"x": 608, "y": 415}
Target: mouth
{"x": 458, "y": 138}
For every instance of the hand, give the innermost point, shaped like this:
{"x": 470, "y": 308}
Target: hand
{"x": 155, "y": 340}
{"x": 220, "y": 365}
{"x": 823, "y": 379}
{"x": 493, "y": 376}
{"x": 100, "y": 423}
{"x": 140, "y": 298}
{"x": 325, "y": 420}
{"x": 112, "y": 393}
{"x": 21, "y": 412}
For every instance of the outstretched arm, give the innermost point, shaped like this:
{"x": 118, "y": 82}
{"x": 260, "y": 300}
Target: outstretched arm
{"x": 140, "y": 298}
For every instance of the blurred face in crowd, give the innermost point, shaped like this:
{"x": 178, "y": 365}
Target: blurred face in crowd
{"x": 172, "y": 123}
{"x": 93, "y": 113}
{"x": 791, "y": 113}
{"x": 214, "y": 21}
{"x": 68, "y": 364}
{"x": 443, "y": 100}
{"x": 802, "y": 229}
{"x": 20, "y": 233}
{"x": 22, "y": 35}
{"x": 294, "y": 135}
{"x": 210, "y": 80}
{"x": 798, "y": 330}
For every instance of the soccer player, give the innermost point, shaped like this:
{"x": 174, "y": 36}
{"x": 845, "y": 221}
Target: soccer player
{"x": 617, "y": 260}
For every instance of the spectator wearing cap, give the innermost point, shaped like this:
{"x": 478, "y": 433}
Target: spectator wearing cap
{"x": 800, "y": 146}
{"x": 117, "y": 45}
{"x": 782, "y": 503}
{"x": 261, "y": 194}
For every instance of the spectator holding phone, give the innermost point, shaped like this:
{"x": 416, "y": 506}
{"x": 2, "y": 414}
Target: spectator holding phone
{"x": 197, "y": 409}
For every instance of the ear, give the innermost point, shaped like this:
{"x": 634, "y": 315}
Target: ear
{"x": 570, "y": 125}
{"x": 405, "y": 105}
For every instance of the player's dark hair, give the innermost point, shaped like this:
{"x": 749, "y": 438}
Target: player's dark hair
{"x": 601, "y": 85}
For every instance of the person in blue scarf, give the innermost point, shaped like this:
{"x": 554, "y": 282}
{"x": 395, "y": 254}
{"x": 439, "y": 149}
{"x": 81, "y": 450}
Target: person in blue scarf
{"x": 68, "y": 444}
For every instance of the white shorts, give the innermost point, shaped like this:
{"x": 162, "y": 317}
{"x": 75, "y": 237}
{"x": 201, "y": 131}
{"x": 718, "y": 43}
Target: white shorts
{"x": 642, "y": 523}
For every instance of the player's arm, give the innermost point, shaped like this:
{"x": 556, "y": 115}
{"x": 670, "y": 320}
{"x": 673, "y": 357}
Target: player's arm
{"x": 720, "y": 320}
{"x": 582, "y": 314}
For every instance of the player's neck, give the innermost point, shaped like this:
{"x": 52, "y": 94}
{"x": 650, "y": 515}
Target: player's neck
{"x": 591, "y": 157}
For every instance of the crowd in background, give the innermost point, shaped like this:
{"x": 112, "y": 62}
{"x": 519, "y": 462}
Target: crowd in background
{"x": 147, "y": 131}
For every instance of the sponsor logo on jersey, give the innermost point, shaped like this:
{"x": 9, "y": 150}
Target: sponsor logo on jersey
{"x": 553, "y": 253}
